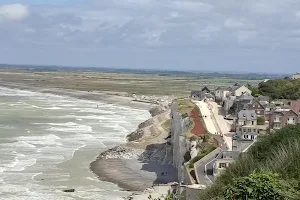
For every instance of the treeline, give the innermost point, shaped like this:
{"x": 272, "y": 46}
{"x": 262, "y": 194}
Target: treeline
{"x": 279, "y": 89}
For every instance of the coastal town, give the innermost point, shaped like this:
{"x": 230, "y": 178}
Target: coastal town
{"x": 214, "y": 126}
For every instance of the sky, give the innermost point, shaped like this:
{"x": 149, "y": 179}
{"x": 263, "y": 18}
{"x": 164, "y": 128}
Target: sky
{"x": 198, "y": 35}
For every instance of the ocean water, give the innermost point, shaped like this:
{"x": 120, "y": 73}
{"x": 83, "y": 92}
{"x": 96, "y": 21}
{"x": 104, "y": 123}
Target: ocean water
{"x": 47, "y": 143}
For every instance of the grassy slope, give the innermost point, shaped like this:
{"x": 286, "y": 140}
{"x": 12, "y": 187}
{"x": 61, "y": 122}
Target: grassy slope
{"x": 279, "y": 152}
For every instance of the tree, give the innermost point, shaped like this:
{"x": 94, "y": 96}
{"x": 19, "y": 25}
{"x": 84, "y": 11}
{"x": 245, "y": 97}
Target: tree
{"x": 261, "y": 120}
{"x": 260, "y": 185}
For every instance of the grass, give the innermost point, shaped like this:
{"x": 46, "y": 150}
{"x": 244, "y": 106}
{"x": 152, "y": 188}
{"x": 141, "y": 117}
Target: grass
{"x": 278, "y": 153}
{"x": 146, "y": 84}
{"x": 209, "y": 148}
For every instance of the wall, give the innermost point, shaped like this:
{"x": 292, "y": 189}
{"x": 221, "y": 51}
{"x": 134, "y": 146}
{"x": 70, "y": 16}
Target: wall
{"x": 178, "y": 128}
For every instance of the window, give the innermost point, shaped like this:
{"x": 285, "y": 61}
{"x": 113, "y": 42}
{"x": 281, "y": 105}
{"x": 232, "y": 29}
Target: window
{"x": 244, "y": 130}
{"x": 258, "y": 112}
{"x": 252, "y": 137}
{"x": 222, "y": 165}
{"x": 249, "y": 130}
{"x": 254, "y": 130}
{"x": 252, "y": 122}
{"x": 240, "y": 129}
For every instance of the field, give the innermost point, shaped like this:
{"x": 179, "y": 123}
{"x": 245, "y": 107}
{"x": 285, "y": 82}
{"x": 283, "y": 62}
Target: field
{"x": 143, "y": 84}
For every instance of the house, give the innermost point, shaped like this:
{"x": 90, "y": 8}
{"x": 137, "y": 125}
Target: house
{"x": 223, "y": 160}
{"x": 221, "y": 92}
{"x": 242, "y": 102}
{"x": 295, "y": 106}
{"x": 296, "y": 76}
{"x": 196, "y": 94}
{"x": 238, "y": 90}
{"x": 205, "y": 89}
{"x": 247, "y": 127}
{"x": 201, "y": 95}
{"x": 282, "y": 117}
{"x": 257, "y": 107}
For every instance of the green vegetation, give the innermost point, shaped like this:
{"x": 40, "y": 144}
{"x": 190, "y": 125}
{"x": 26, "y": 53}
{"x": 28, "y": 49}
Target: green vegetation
{"x": 124, "y": 81}
{"x": 280, "y": 89}
{"x": 278, "y": 153}
{"x": 261, "y": 120}
{"x": 260, "y": 185}
{"x": 185, "y": 107}
{"x": 205, "y": 149}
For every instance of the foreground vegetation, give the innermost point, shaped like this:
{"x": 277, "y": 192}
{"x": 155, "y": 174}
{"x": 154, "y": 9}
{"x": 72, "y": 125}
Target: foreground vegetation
{"x": 279, "y": 89}
{"x": 276, "y": 156}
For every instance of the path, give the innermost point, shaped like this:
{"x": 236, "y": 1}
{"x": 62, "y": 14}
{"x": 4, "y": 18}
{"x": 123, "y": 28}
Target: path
{"x": 215, "y": 123}
{"x": 222, "y": 123}
{"x": 210, "y": 126}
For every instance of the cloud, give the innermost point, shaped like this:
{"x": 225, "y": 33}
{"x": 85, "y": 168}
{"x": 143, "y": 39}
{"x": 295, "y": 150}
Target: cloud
{"x": 13, "y": 12}
{"x": 153, "y": 25}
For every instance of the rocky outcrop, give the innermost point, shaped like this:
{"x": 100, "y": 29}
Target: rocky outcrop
{"x": 146, "y": 123}
{"x": 156, "y": 110}
{"x": 136, "y": 135}
{"x": 121, "y": 152}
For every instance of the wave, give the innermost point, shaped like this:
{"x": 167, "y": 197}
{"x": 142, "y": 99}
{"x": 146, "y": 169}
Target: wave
{"x": 19, "y": 164}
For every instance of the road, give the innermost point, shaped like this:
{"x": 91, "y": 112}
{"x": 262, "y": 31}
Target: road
{"x": 208, "y": 120}
{"x": 215, "y": 123}
{"x": 222, "y": 123}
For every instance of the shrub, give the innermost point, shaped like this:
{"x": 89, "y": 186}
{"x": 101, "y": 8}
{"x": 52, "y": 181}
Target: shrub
{"x": 261, "y": 120}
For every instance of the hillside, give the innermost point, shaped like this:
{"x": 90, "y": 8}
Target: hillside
{"x": 277, "y": 153}
{"x": 280, "y": 89}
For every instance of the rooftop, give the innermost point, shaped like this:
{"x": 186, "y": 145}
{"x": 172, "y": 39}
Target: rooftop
{"x": 247, "y": 114}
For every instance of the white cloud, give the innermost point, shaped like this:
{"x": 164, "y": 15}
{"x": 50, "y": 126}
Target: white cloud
{"x": 13, "y": 12}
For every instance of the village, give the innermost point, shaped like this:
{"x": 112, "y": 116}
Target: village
{"x": 236, "y": 119}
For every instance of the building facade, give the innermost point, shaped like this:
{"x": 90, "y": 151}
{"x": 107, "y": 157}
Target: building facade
{"x": 282, "y": 117}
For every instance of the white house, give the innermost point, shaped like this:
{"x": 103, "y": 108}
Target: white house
{"x": 239, "y": 90}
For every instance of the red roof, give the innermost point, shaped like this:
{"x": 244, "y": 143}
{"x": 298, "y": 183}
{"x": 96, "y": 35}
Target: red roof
{"x": 295, "y": 106}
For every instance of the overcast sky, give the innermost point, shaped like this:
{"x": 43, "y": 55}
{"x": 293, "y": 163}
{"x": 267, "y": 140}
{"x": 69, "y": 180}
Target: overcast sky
{"x": 216, "y": 35}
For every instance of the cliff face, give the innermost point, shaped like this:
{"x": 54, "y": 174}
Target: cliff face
{"x": 178, "y": 128}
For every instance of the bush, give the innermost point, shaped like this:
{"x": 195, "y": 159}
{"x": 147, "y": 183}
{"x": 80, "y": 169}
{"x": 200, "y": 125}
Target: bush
{"x": 260, "y": 185}
{"x": 261, "y": 120}
{"x": 278, "y": 152}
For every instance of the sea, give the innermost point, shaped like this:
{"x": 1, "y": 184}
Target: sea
{"x": 47, "y": 143}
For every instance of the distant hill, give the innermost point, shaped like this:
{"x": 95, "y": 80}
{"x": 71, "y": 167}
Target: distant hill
{"x": 278, "y": 153}
{"x": 200, "y": 75}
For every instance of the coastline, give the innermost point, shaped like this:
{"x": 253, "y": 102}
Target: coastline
{"x": 106, "y": 97}
{"x": 136, "y": 165}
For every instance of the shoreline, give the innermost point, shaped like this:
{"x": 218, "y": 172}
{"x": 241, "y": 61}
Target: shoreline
{"x": 134, "y": 166}
{"x": 105, "y": 97}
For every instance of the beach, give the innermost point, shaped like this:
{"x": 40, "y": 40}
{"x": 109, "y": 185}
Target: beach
{"x": 48, "y": 141}
{"x": 136, "y": 168}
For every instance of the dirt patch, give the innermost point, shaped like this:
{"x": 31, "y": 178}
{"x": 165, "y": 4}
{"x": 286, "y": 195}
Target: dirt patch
{"x": 199, "y": 128}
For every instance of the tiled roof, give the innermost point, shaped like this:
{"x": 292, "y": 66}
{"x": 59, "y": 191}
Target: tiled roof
{"x": 247, "y": 114}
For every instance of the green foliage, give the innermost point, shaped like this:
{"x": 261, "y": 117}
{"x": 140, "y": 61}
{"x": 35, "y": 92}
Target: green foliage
{"x": 261, "y": 120}
{"x": 281, "y": 89}
{"x": 260, "y": 185}
{"x": 278, "y": 152}
{"x": 208, "y": 148}
{"x": 255, "y": 91}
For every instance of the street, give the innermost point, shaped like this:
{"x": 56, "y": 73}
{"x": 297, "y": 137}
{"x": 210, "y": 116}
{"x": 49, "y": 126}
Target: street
{"x": 217, "y": 125}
